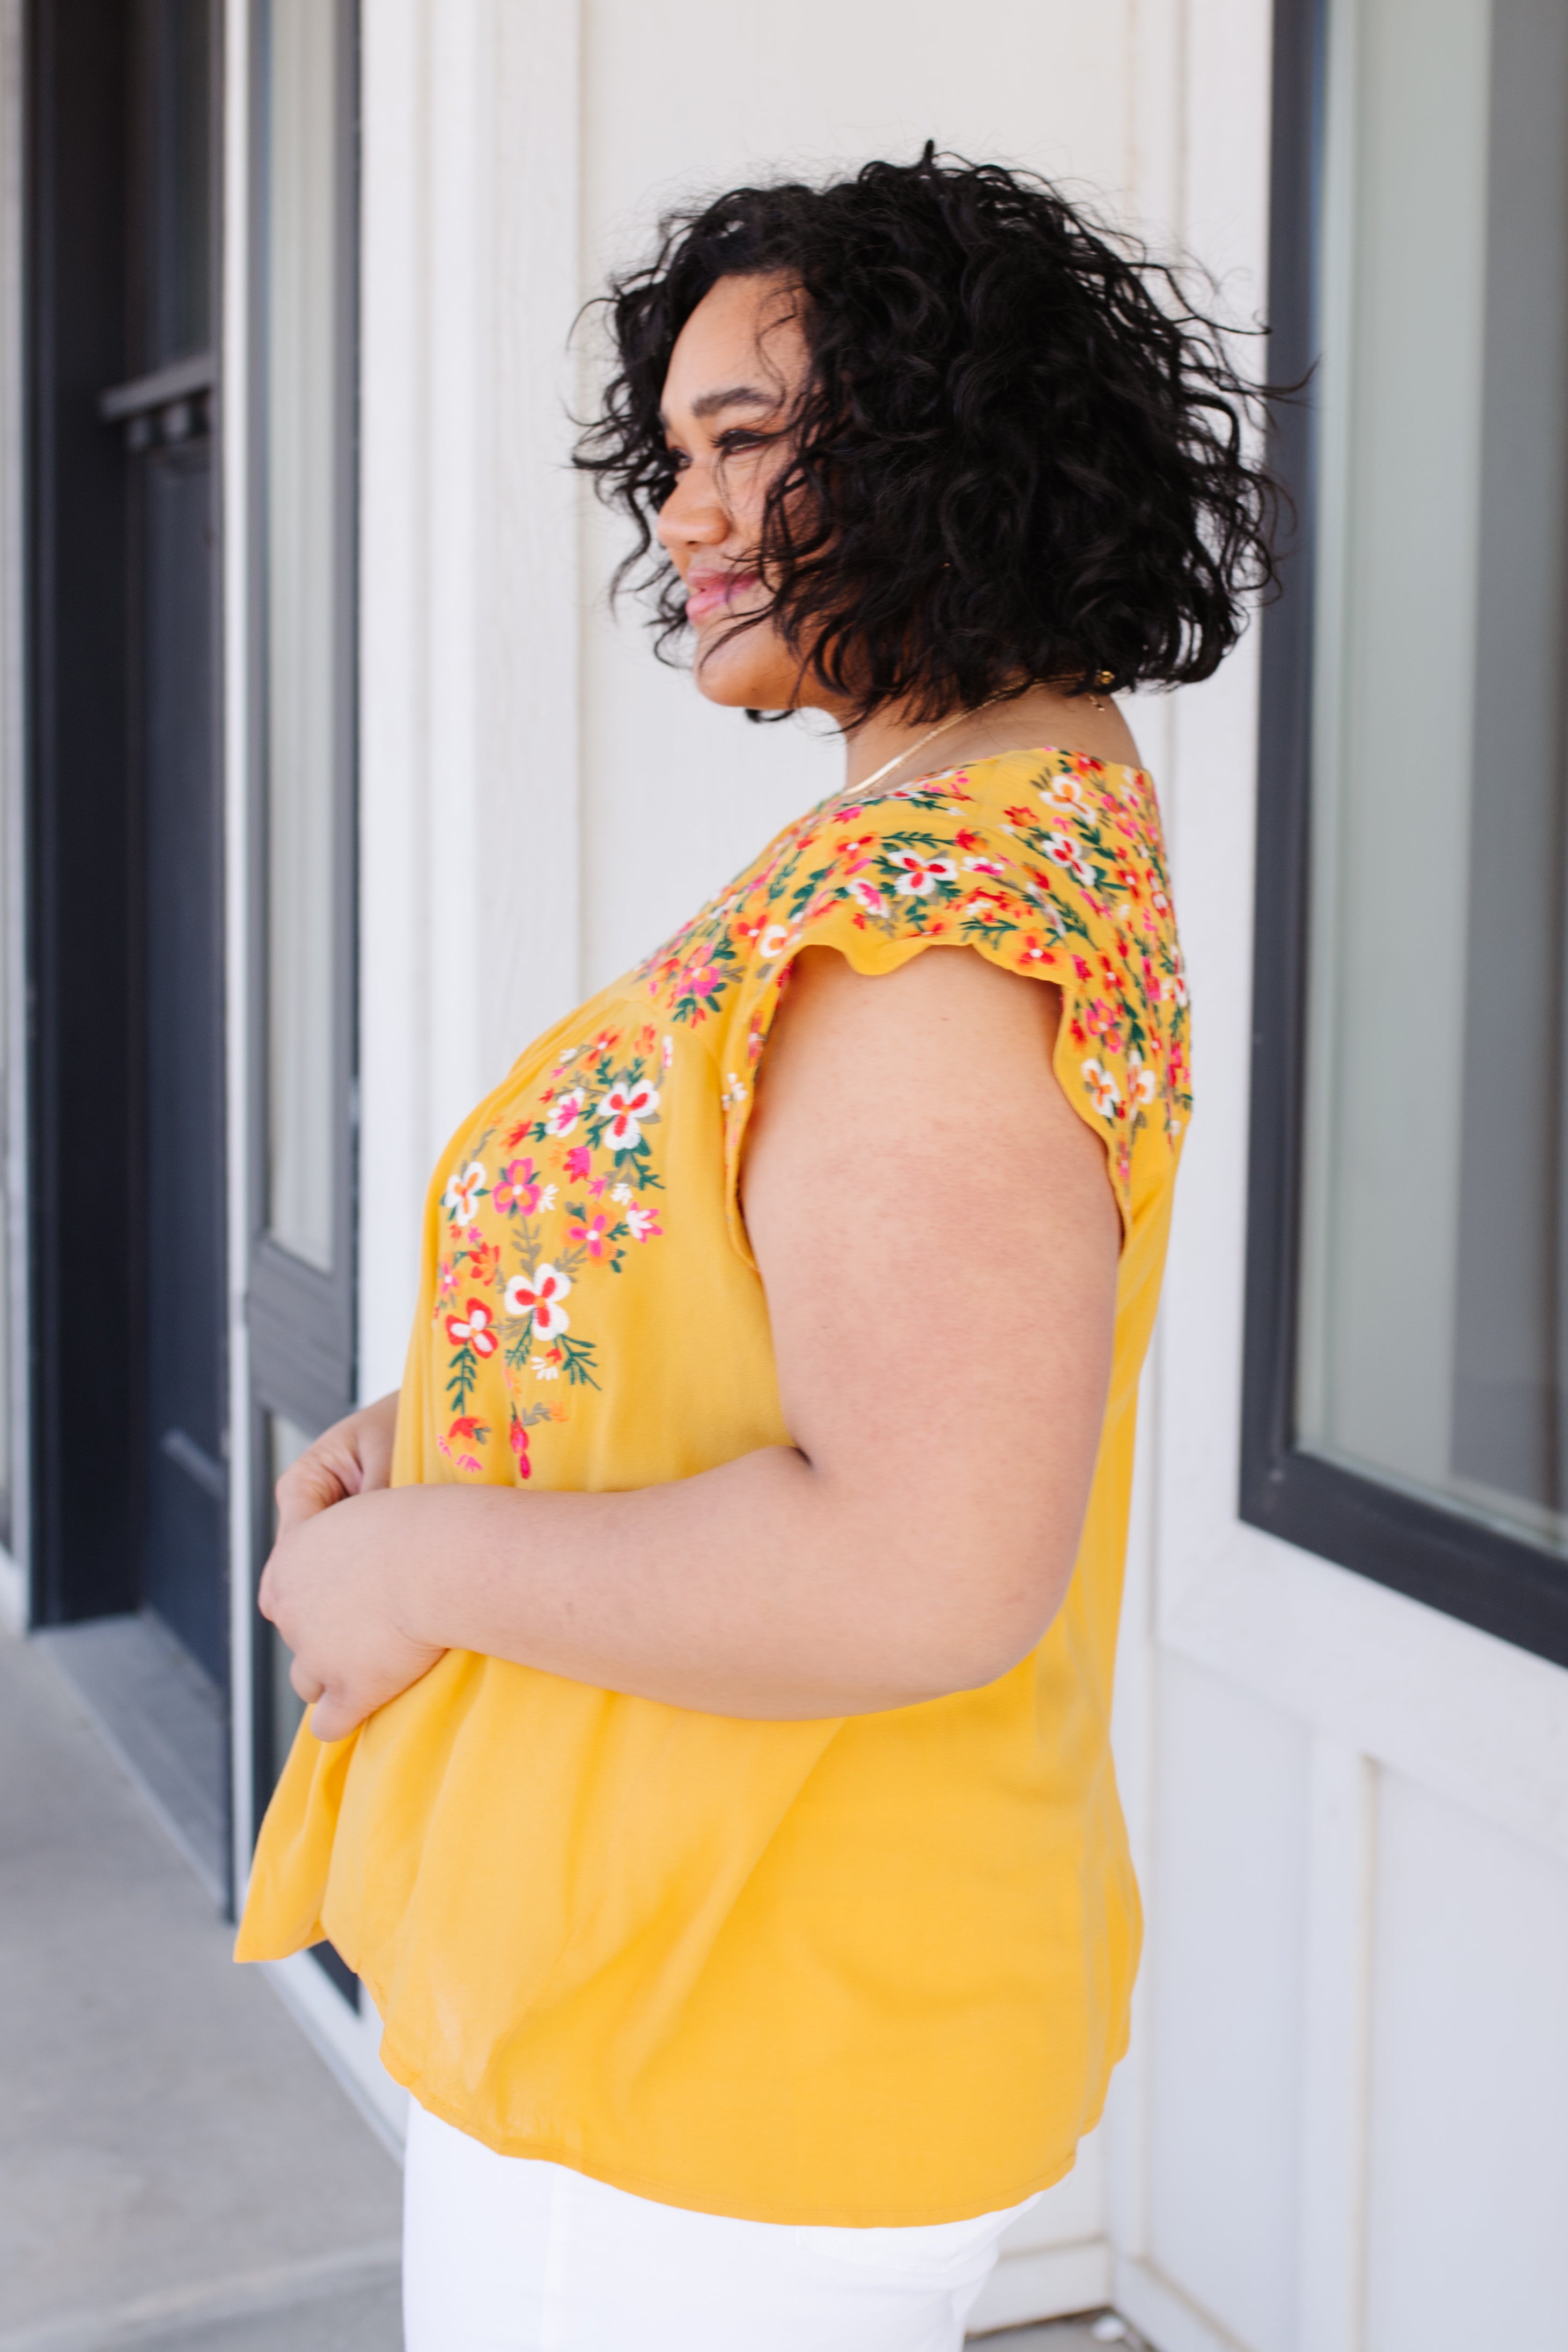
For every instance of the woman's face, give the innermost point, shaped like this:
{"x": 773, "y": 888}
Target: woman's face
{"x": 735, "y": 376}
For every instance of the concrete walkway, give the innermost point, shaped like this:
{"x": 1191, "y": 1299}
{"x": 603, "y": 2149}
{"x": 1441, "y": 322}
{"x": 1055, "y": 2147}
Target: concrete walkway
{"x": 178, "y": 2170}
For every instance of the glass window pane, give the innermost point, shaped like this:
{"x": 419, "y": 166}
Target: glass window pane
{"x": 1431, "y": 1329}
{"x": 303, "y": 684}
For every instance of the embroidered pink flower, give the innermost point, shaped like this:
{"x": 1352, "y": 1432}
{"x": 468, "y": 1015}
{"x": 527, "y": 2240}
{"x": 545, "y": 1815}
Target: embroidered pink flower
{"x": 579, "y": 1160}
{"x": 920, "y": 874}
{"x": 463, "y": 1193}
{"x": 642, "y": 1224}
{"x": 517, "y": 1439}
{"x": 540, "y": 1293}
{"x": 475, "y": 1328}
{"x": 985, "y": 864}
{"x": 626, "y": 1108}
{"x": 868, "y": 896}
{"x": 518, "y": 1186}
{"x": 565, "y": 1111}
{"x": 592, "y": 1234}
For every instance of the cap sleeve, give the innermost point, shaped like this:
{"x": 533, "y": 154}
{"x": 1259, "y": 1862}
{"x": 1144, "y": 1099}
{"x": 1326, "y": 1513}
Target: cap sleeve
{"x": 1061, "y": 879}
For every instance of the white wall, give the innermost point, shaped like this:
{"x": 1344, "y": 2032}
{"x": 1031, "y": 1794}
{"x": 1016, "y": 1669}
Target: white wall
{"x": 1343, "y": 2125}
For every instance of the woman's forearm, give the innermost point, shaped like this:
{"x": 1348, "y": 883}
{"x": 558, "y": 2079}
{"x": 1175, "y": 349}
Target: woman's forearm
{"x": 758, "y": 1589}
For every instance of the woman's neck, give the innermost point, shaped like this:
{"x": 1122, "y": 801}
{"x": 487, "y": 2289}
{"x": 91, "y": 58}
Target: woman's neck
{"x": 1042, "y": 716}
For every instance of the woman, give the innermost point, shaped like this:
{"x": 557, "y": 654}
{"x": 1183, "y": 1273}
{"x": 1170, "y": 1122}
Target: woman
{"x": 711, "y": 1643}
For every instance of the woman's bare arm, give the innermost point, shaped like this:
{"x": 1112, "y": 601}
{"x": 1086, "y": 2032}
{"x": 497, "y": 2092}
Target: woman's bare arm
{"x": 935, "y": 1232}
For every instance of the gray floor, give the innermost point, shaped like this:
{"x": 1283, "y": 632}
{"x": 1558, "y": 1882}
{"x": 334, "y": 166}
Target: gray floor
{"x": 177, "y": 2171}
{"x": 176, "y": 2165}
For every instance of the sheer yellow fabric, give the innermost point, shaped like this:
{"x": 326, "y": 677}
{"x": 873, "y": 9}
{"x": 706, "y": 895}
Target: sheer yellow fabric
{"x": 868, "y": 1971}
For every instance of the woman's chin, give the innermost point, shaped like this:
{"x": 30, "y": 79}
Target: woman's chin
{"x": 740, "y": 676}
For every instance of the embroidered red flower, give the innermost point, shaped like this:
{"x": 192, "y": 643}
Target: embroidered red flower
{"x": 475, "y": 1328}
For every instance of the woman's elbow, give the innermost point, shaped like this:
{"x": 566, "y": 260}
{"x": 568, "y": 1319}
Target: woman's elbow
{"x": 981, "y": 1625}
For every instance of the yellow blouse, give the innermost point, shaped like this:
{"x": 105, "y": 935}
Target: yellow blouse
{"x": 873, "y": 1971}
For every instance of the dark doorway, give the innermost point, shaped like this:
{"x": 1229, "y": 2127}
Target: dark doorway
{"x": 129, "y": 1288}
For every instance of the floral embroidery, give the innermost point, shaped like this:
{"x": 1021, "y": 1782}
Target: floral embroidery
{"x": 570, "y": 1191}
{"x": 1066, "y": 880}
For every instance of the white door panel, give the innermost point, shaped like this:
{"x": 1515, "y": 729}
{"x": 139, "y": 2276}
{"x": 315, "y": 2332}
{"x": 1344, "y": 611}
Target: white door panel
{"x": 1467, "y": 2169}
{"x": 1224, "y": 2005}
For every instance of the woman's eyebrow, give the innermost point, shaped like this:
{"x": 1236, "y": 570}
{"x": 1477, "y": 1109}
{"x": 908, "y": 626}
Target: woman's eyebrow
{"x": 735, "y": 395}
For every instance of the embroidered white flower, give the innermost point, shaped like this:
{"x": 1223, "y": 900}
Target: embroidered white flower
{"x": 540, "y": 1293}
{"x": 621, "y": 1194}
{"x": 625, "y": 1109}
{"x": 642, "y": 1224}
{"x": 1142, "y": 1083}
{"x": 734, "y": 1092}
{"x": 463, "y": 1193}
{"x": 666, "y": 1050}
{"x": 985, "y": 864}
{"x": 773, "y": 942}
{"x": 544, "y": 1368}
{"x": 918, "y": 876}
{"x": 1063, "y": 850}
{"x": 869, "y": 896}
{"x": 565, "y": 1111}
{"x": 1103, "y": 1091}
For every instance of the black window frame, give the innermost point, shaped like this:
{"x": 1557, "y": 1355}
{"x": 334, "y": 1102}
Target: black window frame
{"x": 1461, "y": 1566}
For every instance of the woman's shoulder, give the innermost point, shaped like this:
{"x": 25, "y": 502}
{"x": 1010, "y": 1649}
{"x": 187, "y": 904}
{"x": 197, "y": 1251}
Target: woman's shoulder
{"x": 1040, "y": 849}
{"x": 1050, "y": 863}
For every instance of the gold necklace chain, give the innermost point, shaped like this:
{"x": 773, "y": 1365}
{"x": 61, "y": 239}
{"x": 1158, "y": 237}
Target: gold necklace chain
{"x": 909, "y": 750}
{"x": 1103, "y": 677}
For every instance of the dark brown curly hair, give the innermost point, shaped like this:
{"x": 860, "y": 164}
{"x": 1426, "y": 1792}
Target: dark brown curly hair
{"x": 1020, "y": 455}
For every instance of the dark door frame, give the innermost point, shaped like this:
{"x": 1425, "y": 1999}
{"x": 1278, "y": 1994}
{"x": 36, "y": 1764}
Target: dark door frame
{"x": 86, "y": 1142}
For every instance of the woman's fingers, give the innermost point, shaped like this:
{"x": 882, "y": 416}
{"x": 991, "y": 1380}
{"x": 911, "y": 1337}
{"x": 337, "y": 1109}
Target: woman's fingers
{"x": 306, "y": 1686}
{"x": 312, "y": 1484}
{"x": 334, "y": 1718}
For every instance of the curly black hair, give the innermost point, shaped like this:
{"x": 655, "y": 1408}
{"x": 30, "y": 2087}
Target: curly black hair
{"x": 1020, "y": 454}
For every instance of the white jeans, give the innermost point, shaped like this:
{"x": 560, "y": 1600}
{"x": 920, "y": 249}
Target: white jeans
{"x": 506, "y": 2254}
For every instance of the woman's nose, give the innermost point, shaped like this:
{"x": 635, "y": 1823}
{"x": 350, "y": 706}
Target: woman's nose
{"x": 693, "y": 515}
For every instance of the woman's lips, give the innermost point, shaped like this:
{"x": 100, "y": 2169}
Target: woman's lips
{"x": 711, "y": 593}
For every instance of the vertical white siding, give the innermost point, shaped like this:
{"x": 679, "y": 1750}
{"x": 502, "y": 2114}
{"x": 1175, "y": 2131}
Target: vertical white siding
{"x": 469, "y": 618}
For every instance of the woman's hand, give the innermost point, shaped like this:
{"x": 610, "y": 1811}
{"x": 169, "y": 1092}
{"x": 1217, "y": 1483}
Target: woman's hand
{"x": 352, "y": 1458}
{"x": 331, "y": 1589}
{"x": 320, "y": 1587}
